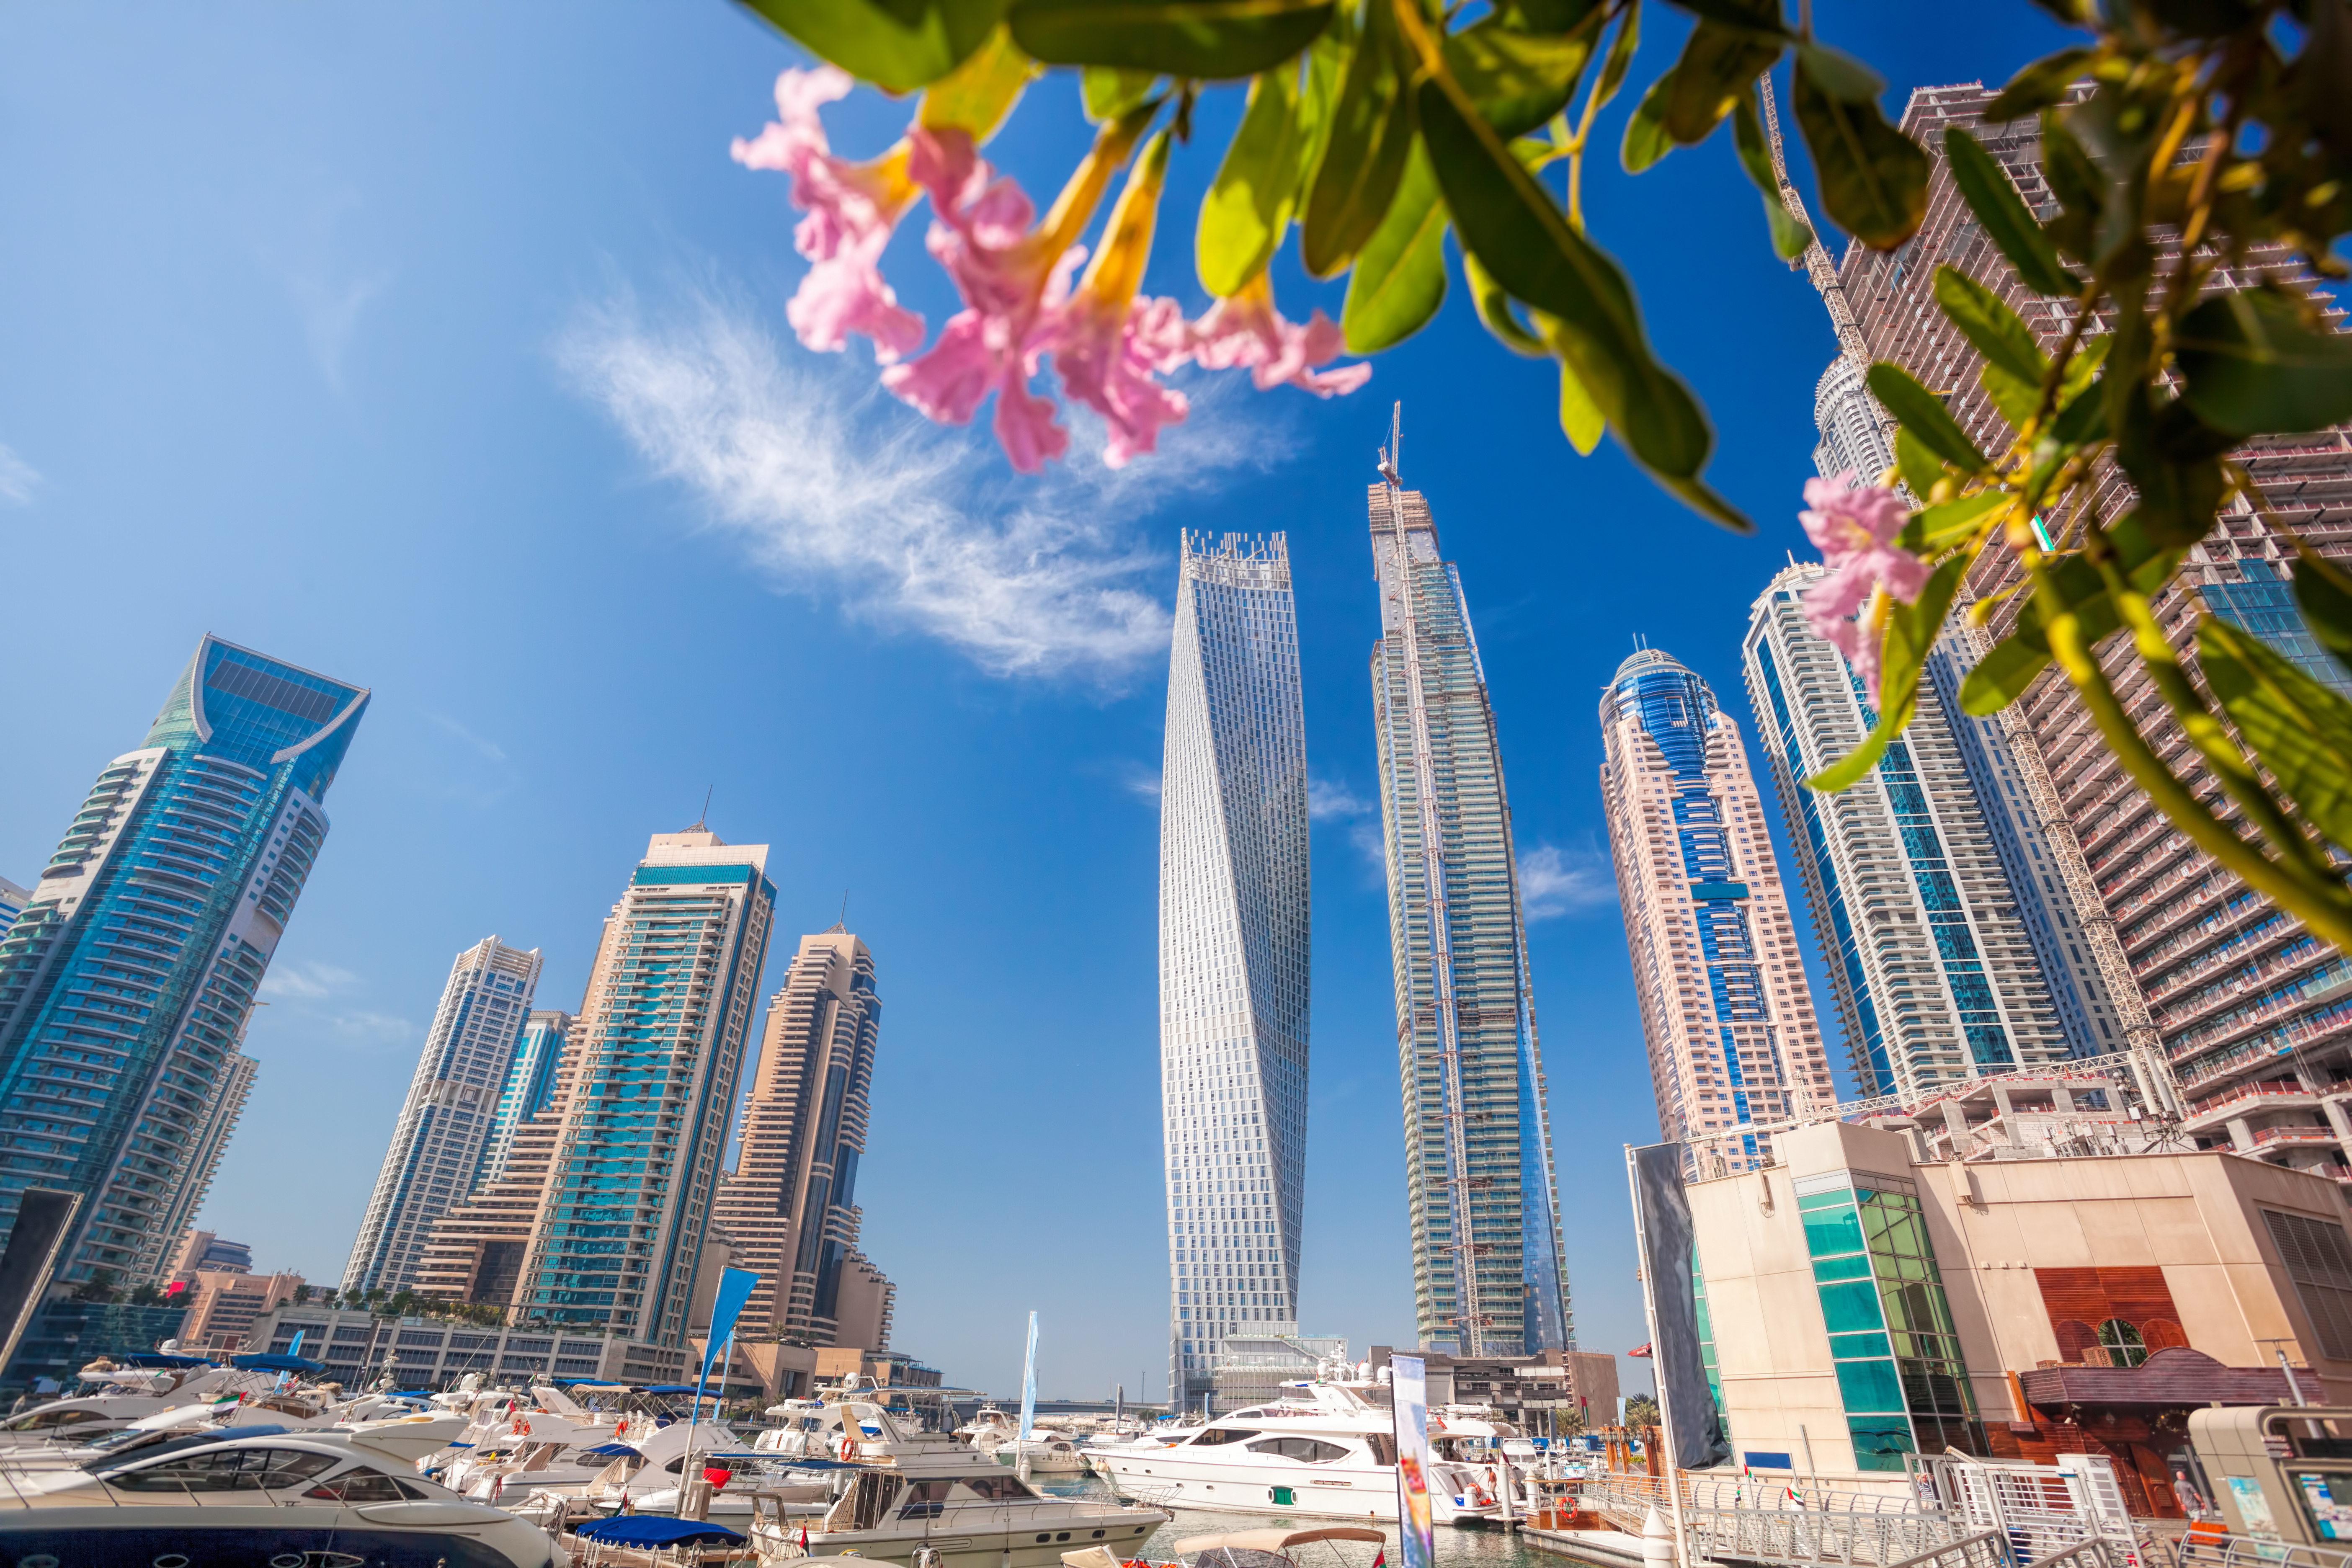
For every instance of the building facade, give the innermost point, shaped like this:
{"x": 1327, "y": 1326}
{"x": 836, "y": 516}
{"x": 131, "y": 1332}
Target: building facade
{"x": 1487, "y": 1272}
{"x": 13, "y": 900}
{"x": 2251, "y": 1012}
{"x": 1232, "y": 952}
{"x": 445, "y": 1122}
{"x": 790, "y": 1206}
{"x": 1931, "y": 965}
{"x": 223, "y": 1306}
{"x": 1727, "y": 1011}
{"x": 1853, "y": 428}
{"x": 127, "y": 982}
{"x": 528, "y": 1089}
{"x": 1865, "y": 1304}
{"x": 359, "y": 1347}
{"x": 626, "y": 1208}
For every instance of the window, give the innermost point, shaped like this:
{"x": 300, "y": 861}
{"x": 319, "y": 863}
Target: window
{"x": 227, "y": 1471}
{"x": 998, "y": 1489}
{"x": 2319, "y": 1265}
{"x": 1216, "y": 1435}
{"x": 1306, "y": 1448}
{"x": 2125, "y": 1345}
{"x": 365, "y": 1486}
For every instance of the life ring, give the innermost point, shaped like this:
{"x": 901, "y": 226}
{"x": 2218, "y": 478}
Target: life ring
{"x": 848, "y": 1445}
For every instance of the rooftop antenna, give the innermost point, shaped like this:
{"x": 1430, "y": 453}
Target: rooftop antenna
{"x": 705, "y": 817}
{"x": 1393, "y": 453}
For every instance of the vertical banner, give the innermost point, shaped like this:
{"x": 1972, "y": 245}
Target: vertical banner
{"x": 1029, "y": 1382}
{"x": 734, "y": 1289}
{"x": 1408, "y": 1383}
{"x": 1662, "y": 1216}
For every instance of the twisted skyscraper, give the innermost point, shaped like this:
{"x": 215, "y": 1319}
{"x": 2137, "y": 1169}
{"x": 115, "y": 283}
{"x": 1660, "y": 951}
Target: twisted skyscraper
{"x": 1488, "y": 1278}
{"x": 1232, "y": 952}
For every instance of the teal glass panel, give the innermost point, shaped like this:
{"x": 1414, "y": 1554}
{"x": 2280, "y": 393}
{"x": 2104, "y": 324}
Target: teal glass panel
{"x": 1846, "y": 1309}
{"x": 1854, "y": 1266}
{"x": 1879, "y": 1442}
{"x": 1869, "y": 1387}
{"x": 1847, "y": 1347}
{"x": 1812, "y": 1201}
{"x": 1828, "y": 1232}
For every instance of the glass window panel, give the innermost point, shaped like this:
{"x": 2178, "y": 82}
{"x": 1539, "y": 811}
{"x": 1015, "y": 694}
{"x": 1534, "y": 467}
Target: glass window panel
{"x": 1854, "y": 1266}
{"x": 1869, "y": 1387}
{"x": 1828, "y": 1232}
{"x": 1846, "y": 1347}
{"x": 1812, "y": 1201}
{"x": 1846, "y": 1309}
{"x": 1879, "y": 1444}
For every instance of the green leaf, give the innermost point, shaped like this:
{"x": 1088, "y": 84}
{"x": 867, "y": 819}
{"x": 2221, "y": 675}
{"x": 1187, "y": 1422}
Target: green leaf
{"x": 2015, "y": 400}
{"x": 1398, "y": 280}
{"x": 2174, "y": 459}
{"x": 1647, "y": 141}
{"x": 1923, "y": 417}
{"x": 976, "y": 96}
{"x": 1548, "y": 16}
{"x": 2324, "y": 593}
{"x": 1992, "y": 326}
{"x": 1985, "y": 187}
{"x": 2038, "y": 86}
{"x": 2257, "y": 366}
{"x": 1364, "y": 154}
{"x": 1938, "y": 527}
{"x": 1512, "y": 224}
{"x": 1917, "y": 467}
{"x": 896, "y": 44}
{"x": 2300, "y": 730}
{"x": 1580, "y": 419}
{"x": 1109, "y": 92}
{"x": 1873, "y": 179}
{"x": 2070, "y": 584}
{"x": 1210, "y": 39}
{"x": 1621, "y": 58}
{"x": 1519, "y": 80}
{"x": 1249, "y": 203}
{"x": 1493, "y": 308}
{"x": 1792, "y": 236}
{"x": 1911, "y": 631}
{"x": 1840, "y": 75}
{"x": 1755, "y": 16}
{"x": 1719, "y": 65}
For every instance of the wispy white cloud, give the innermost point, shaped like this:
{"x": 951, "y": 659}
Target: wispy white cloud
{"x": 329, "y": 292}
{"x": 1553, "y": 881}
{"x": 330, "y": 310}
{"x": 1140, "y": 781}
{"x": 1329, "y": 798}
{"x": 309, "y": 982}
{"x": 489, "y": 749}
{"x": 18, "y": 479}
{"x": 832, "y": 486}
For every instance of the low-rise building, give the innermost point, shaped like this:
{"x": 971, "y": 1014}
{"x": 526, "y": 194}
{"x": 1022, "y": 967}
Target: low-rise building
{"x": 1859, "y": 1304}
{"x": 201, "y": 1249}
{"x": 224, "y": 1305}
{"x": 1542, "y": 1395}
{"x": 359, "y": 1347}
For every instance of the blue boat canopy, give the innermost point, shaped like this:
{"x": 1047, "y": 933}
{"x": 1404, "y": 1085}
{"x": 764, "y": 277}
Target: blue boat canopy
{"x": 655, "y": 1530}
{"x": 609, "y": 1449}
{"x": 264, "y": 1361}
{"x": 161, "y": 1361}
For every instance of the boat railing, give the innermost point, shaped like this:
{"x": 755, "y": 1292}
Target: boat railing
{"x": 1804, "y": 1537}
{"x": 1633, "y": 1495}
{"x": 2204, "y": 1547}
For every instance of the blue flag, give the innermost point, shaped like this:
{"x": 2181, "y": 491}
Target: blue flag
{"x": 734, "y": 1289}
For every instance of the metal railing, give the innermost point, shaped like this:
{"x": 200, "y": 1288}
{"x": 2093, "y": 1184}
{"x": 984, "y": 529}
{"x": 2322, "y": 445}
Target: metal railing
{"x": 1811, "y": 1536}
{"x": 2200, "y": 1551}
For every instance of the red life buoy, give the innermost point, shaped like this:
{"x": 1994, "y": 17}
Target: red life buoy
{"x": 848, "y": 1445}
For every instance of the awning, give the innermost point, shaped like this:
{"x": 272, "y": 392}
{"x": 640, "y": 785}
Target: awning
{"x": 2177, "y": 1375}
{"x": 1275, "y": 1539}
{"x": 655, "y": 1530}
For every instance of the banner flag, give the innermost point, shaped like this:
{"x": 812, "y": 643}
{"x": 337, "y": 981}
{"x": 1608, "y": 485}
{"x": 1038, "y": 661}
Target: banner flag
{"x": 1409, "y": 1385}
{"x": 734, "y": 1289}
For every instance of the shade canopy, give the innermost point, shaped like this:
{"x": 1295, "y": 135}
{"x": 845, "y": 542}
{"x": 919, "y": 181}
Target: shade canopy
{"x": 1275, "y": 1539}
{"x": 655, "y": 1530}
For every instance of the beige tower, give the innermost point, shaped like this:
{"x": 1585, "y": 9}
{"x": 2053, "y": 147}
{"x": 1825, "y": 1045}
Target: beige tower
{"x": 1726, "y": 1010}
{"x": 790, "y": 1205}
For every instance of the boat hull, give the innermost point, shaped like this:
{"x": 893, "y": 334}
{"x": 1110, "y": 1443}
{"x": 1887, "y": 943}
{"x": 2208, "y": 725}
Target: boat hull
{"x": 62, "y": 1541}
{"x": 1013, "y": 1543}
{"x": 1322, "y": 1491}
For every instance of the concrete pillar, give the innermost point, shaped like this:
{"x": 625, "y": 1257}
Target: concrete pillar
{"x": 2062, "y": 1099}
{"x": 2242, "y": 1137}
{"x": 1955, "y": 1122}
{"x": 2342, "y": 1126}
{"x": 2008, "y": 1118}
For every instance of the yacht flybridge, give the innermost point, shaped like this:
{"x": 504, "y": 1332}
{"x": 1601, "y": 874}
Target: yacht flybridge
{"x": 1322, "y": 1451}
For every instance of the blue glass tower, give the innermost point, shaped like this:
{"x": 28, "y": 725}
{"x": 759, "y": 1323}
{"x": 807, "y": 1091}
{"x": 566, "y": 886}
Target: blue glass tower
{"x": 528, "y": 1088}
{"x": 127, "y": 982}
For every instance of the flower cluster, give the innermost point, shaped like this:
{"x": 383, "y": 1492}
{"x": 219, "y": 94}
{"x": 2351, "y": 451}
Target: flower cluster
{"x": 1856, "y": 527}
{"x": 1110, "y": 345}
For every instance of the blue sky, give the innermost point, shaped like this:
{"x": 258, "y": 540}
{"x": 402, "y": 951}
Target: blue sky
{"x": 441, "y": 348}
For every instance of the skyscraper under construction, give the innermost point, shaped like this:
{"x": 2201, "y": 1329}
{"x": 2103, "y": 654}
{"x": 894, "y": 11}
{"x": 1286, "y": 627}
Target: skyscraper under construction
{"x": 1488, "y": 1278}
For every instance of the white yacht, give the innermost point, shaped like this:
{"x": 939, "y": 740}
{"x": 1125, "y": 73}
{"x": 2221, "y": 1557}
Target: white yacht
{"x": 1324, "y": 1451}
{"x": 336, "y": 1500}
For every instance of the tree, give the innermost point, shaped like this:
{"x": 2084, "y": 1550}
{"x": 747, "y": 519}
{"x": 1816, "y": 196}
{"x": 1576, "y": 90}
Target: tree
{"x": 2178, "y": 140}
{"x": 1641, "y": 1410}
{"x": 98, "y": 1286}
{"x": 302, "y": 1294}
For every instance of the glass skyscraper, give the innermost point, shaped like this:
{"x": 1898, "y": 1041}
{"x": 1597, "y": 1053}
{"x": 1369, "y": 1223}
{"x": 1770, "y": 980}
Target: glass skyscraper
{"x": 626, "y": 1206}
{"x": 127, "y": 982}
{"x": 1933, "y": 968}
{"x": 1233, "y": 953}
{"x": 1727, "y": 1012}
{"x": 445, "y": 1124}
{"x": 1485, "y": 1213}
{"x": 528, "y": 1088}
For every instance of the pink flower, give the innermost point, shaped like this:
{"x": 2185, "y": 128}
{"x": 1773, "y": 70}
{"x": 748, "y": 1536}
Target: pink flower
{"x": 1855, "y": 528}
{"x": 1245, "y": 330}
{"x": 1108, "y": 363}
{"x": 851, "y": 209}
{"x": 1014, "y": 291}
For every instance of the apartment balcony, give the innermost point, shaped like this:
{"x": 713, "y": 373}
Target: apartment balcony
{"x": 2294, "y": 1133}
{"x": 2251, "y": 977}
{"x": 2238, "y": 1099}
